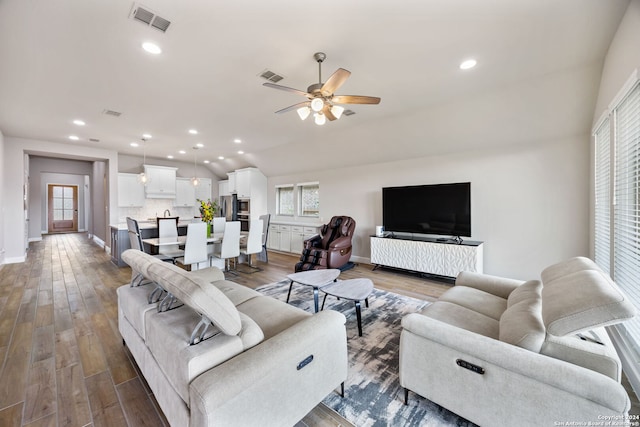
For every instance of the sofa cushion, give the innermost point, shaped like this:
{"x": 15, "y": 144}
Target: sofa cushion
{"x": 463, "y": 318}
{"x": 235, "y": 292}
{"x": 566, "y": 267}
{"x": 272, "y": 316}
{"x": 198, "y": 294}
{"x": 521, "y": 324}
{"x": 168, "y": 336}
{"x": 581, "y": 301}
{"x": 476, "y": 300}
{"x": 133, "y": 303}
{"x": 526, "y": 291}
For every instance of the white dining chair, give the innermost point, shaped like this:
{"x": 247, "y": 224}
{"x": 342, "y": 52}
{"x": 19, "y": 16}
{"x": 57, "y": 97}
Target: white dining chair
{"x": 230, "y": 246}
{"x": 254, "y": 241}
{"x": 195, "y": 248}
{"x": 218, "y": 224}
{"x": 168, "y": 228}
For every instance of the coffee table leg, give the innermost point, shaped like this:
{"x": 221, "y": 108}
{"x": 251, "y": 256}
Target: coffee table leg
{"x": 289, "y": 294}
{"x": 315, "y": 298}
{"x": 359, "y": 316}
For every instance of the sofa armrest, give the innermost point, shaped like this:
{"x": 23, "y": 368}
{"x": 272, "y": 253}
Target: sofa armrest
{"x": 495, "y": 285}
{"x": 556, "y": 374}
{"x": 340, "y": 243}
{"x": 267, "y": 384}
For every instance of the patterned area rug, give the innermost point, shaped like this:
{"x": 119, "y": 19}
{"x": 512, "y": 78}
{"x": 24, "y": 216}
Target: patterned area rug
{"x": 373, "y": 396}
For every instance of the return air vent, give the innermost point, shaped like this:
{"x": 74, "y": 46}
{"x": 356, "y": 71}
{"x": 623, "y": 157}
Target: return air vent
{"x": 112, "y": 113}
{"x": 348, "y": 113}
{"x": 146, "y": 16}
{"x": 270, "y": 76}
{"x": 94, "y": 140}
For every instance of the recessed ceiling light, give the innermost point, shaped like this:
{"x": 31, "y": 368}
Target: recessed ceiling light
{"x": 193, "y": 131}
{"x": 73, "y": 137}
{"x": 220, "y": 157}
{"x": 182, "y": 152}
{"x": 240, "y": 152}
{"x": 169, "y": 156}
{"x": 79, "y": 122}
{"x": 237, "y": 141}
{"x": 152, "y": 48}
{"x": 146, "y": 135}
{"x": 199, "y": 145}
{"x": 134, "y": 144}
{"x": 207, "y": 161}
{"x": 469, "y": 63}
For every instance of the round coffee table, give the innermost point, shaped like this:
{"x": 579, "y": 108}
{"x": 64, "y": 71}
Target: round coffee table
{"x": 355, "y": 290}
{"x": 314, "y": 278}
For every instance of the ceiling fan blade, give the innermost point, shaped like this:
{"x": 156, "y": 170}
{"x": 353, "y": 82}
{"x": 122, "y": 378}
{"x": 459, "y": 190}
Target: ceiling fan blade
{"x": 286, "y": 89}
{"x": 355, "y": 99}
{"x": 293, "y": 107}
{"x": 335, "y": 81}
{"x": 327, "y": 112}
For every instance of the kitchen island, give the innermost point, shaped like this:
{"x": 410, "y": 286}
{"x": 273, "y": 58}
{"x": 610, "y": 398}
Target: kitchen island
{"x": 148, "y": 228}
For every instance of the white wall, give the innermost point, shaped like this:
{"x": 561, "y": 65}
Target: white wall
{"x": 529, "y": 203}
{"x": 3, "y": 207}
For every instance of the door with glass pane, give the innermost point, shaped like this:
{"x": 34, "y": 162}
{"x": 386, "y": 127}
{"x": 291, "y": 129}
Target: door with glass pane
{"x": 63, "y": 208}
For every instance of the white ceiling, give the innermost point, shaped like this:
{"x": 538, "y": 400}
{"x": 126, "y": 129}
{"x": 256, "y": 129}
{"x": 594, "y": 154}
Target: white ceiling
{"x": 62, "y": 60}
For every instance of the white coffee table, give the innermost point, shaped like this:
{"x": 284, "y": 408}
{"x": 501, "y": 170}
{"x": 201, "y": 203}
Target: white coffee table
{"x": 316, "y": 279}
{"x": 355, "y": 290}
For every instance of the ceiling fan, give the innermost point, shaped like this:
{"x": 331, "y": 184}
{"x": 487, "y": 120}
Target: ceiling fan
{"x": 321, "y": 98}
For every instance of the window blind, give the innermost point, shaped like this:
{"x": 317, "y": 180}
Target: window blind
{"x": 602, "y": 223}
{"x": 626, "y": 211}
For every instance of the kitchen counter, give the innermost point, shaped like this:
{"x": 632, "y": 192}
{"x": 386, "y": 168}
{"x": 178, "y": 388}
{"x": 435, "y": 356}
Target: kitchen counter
{"x": 148, "y": 224}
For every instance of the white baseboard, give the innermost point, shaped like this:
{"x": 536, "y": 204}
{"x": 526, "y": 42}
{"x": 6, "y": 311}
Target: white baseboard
{"x": 35, "y": 239}
{"x": 360, "y": 259}
{"x": 15, "y": 260}
{"x": 99, "y": 241}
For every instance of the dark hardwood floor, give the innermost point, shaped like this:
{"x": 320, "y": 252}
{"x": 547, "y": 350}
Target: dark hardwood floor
{"x": 62, "y": 358}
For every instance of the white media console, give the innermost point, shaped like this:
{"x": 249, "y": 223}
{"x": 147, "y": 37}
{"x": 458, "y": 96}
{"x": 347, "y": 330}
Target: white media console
{"x": 428, "y": 255}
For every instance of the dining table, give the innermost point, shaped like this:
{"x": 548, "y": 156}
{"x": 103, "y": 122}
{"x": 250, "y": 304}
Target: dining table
{"x": 181, "y": 240}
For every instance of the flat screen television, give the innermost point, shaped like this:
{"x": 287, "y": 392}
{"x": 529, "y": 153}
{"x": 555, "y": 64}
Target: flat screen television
{"x": 441, "y": 209}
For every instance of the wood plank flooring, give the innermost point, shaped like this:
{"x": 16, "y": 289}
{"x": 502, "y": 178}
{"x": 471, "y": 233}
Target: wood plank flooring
{"x": 62, "y": 362}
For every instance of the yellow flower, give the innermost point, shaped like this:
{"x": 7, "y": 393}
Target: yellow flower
{"x": 207, "y": 209}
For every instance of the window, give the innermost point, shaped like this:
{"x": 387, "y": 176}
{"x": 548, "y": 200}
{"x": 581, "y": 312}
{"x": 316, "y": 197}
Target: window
{"x": 309, "y": 200}
{"x": 617, "y": 203}
{"x": 284, "y": 200}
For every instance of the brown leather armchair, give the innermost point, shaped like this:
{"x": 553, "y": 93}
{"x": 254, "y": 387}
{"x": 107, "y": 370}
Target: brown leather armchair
{"x": 329, "y": 249}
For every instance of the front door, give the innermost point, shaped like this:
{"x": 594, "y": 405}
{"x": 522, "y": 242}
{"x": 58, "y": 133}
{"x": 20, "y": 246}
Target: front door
{"x": 63, "y": 208}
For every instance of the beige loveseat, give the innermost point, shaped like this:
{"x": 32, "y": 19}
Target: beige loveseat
{"x": 501, "y": 352}
{"x": 216, "y": 353}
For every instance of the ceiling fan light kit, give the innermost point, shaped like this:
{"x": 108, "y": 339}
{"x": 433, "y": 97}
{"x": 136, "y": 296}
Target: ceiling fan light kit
{"x": 321, "y": 98}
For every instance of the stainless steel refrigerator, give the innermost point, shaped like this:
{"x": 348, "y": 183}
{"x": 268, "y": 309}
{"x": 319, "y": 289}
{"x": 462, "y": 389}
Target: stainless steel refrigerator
{"x": 229, "y": 207}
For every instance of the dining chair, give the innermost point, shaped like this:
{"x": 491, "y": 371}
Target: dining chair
{"x": 168, "y": 228}
{"x": 230, "y": 246}
{"x": 218, "y": 224}
{"x": 195, "y": 248}
{"x": 135, "y": 239}
{"x": 254, "y": 241}
{"x": 266, "y": 218}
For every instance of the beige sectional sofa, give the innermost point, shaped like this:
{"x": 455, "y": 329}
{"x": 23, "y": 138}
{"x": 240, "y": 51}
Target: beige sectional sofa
{"x": 502, "y": 352}
{"x": 216, "y": 353}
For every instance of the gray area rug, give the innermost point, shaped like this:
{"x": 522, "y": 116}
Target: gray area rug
{"x": 373, "y": 396}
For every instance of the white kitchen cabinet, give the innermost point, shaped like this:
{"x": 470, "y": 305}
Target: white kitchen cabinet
{"x": 249, "y": 183}
{"x": 232, "y": 182}
{"x": 162, "y": 182}
{"x": 130, "y": 191}
{"x": 203, "y": 190}
{"x": 289, "y": 237}
{"x": 223, "y": 188}
{"x": 185, "y": 193}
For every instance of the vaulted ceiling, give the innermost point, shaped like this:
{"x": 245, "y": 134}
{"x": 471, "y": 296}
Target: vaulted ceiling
{"x": 539, "y": 63}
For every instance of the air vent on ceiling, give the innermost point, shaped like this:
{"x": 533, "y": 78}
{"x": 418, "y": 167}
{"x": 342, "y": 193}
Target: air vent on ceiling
{"x": 271, "y": 76}
{"x": 348, "y": 113}
{"x": 112, "y": 113}
{"x": 146, "y": 16}
{"x": 94, "y": 140}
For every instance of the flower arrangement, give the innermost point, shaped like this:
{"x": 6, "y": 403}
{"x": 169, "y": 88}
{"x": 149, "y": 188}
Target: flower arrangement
{"x": 207, "y": 209}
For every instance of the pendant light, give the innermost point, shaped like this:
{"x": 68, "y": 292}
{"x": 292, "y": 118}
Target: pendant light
{"x": 195, "y": 181}
{"x": 142, "y": 177}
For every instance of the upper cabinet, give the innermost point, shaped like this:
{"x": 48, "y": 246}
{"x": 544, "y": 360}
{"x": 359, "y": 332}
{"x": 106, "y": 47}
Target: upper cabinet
{"x": 185, "y": 193}
{"x": 232, "y": 182}
{"x": 162, "y": 182}
{"x": 249, "y": 183}
{"x": 203, "y": 190}
{"x": 130, "y": 191}
{"x": 223, "y": 188}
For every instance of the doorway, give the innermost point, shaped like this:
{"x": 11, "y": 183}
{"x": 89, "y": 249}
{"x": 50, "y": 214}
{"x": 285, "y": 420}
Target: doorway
{"x": 63, "y": 208}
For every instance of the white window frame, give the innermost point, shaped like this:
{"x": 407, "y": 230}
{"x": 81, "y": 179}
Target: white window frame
{"x": 279, "y": 200}
{"x": 301, "y": 208}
